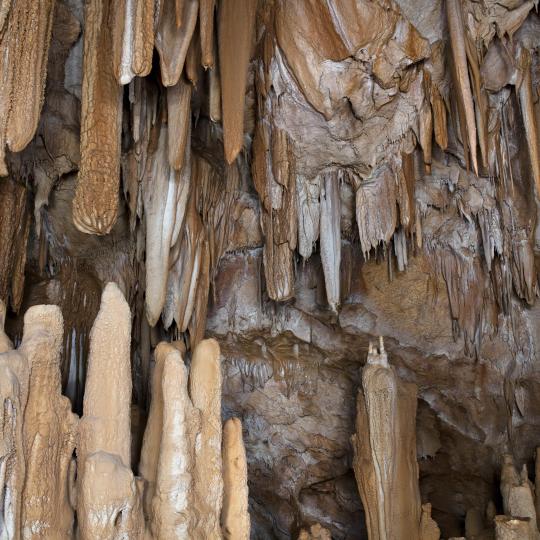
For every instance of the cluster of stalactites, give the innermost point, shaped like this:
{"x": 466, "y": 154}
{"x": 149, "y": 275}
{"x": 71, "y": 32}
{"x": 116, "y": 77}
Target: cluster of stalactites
{"x": 193, "y": 470}
{"x": 119, "y": 40}
{"x": 385, "y": 463}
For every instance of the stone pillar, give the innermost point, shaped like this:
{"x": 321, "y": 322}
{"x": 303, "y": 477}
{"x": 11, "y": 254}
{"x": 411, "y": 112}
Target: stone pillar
{"x": 385, "y": 451}
{"x": 205, "y": 392}
{"x": 49, "y": 430}
{"x": 235, "y": 520}
{"x": 108, "y": 505}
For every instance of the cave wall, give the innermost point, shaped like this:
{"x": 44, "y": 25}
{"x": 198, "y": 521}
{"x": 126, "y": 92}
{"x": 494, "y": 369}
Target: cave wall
{"x": 293, "y": 178}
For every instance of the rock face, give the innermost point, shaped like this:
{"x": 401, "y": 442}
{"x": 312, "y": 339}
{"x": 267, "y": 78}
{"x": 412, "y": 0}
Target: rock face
{"x": 292, "y": 179}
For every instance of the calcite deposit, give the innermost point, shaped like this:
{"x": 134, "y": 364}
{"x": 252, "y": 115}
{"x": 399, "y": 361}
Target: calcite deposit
{"x": 269, "y": 269}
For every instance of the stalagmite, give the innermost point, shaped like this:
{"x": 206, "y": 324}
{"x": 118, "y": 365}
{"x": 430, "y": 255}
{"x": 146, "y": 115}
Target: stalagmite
{"x": 95, "y": 206}
{"x": 235, "y": 28}
{"x": 507, "y": 528}
{"x": 462, "y": 82}
{"x": 108, "y": 504}
{"x": 149, "y": 462}
{"x": 49, "y": 431}
{"x": 172, "y": 40}
{"x": 171, "y": 506}
{"x": 331, "y": 237}
{"x": 315, "y": 532}
{"x": 205, "y": 392}
{"x": 5, "y": 342}
{"x": 429, "y": 530}
{"x": 15, "y": 369}
{"x": 235, "y": 521}
{"x": 526, "y": 101}
{"x": 385, "y": 451}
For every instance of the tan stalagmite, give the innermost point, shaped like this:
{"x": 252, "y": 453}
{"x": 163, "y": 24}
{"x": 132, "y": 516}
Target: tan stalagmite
{"x": 148, "y": 464}
{"x": 457, "y": 41}
{"x": 429, "y": 530}
{"x": 315, "y": 532}
{"x": 95, "y": 206}
{"x": 49, "y": 431}
{"x": 385, "y": 451}
{"x": 205, "y": 392}
{"x": 108, "y": 499}
{"x": 108, "y": 503}
{"x": 235, "y": 522}
{"x": 508, "y": 528}
{"x": 236, "y": 26}
{"x": 5, "y": 342}
{"x": 14, "y": 384}
{"x": 171, "y": 508}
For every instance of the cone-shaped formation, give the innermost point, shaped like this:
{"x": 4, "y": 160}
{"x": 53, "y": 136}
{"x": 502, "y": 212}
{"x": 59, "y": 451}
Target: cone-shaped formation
{"x": 236, "y": 31}
{"x": 385, "y": 452}
{"x": 37, "y": 434}
{"x": 49, "y": 431}
{"x": 108, "y": 504}
{"x": 235, "y": 521}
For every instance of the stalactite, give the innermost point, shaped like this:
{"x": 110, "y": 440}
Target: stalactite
{"x": 14, "y": 231}
{"x": 133, "y": 40}
{"x": 330, "y": 228}
{"x": 25, "y": 33}
{"x": 206, "y": 25}
{"x": 178, "y": 112}
{"x": 172, "y": 40}
{"x": 49, "y": 431}
{"x": 376, "y": 212}
{"x": 108, "y": 501}
{"x": 235, "y": 28}
{"x": 160, "y": 192}
{"x": 95, "y": 206}
{"x": 205, "y": 392}
{"x": 385, "y": 458}
{"x": 462, "y": 82}
{"x": 235, "y": 521}
{"x": 529, "y": 118}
